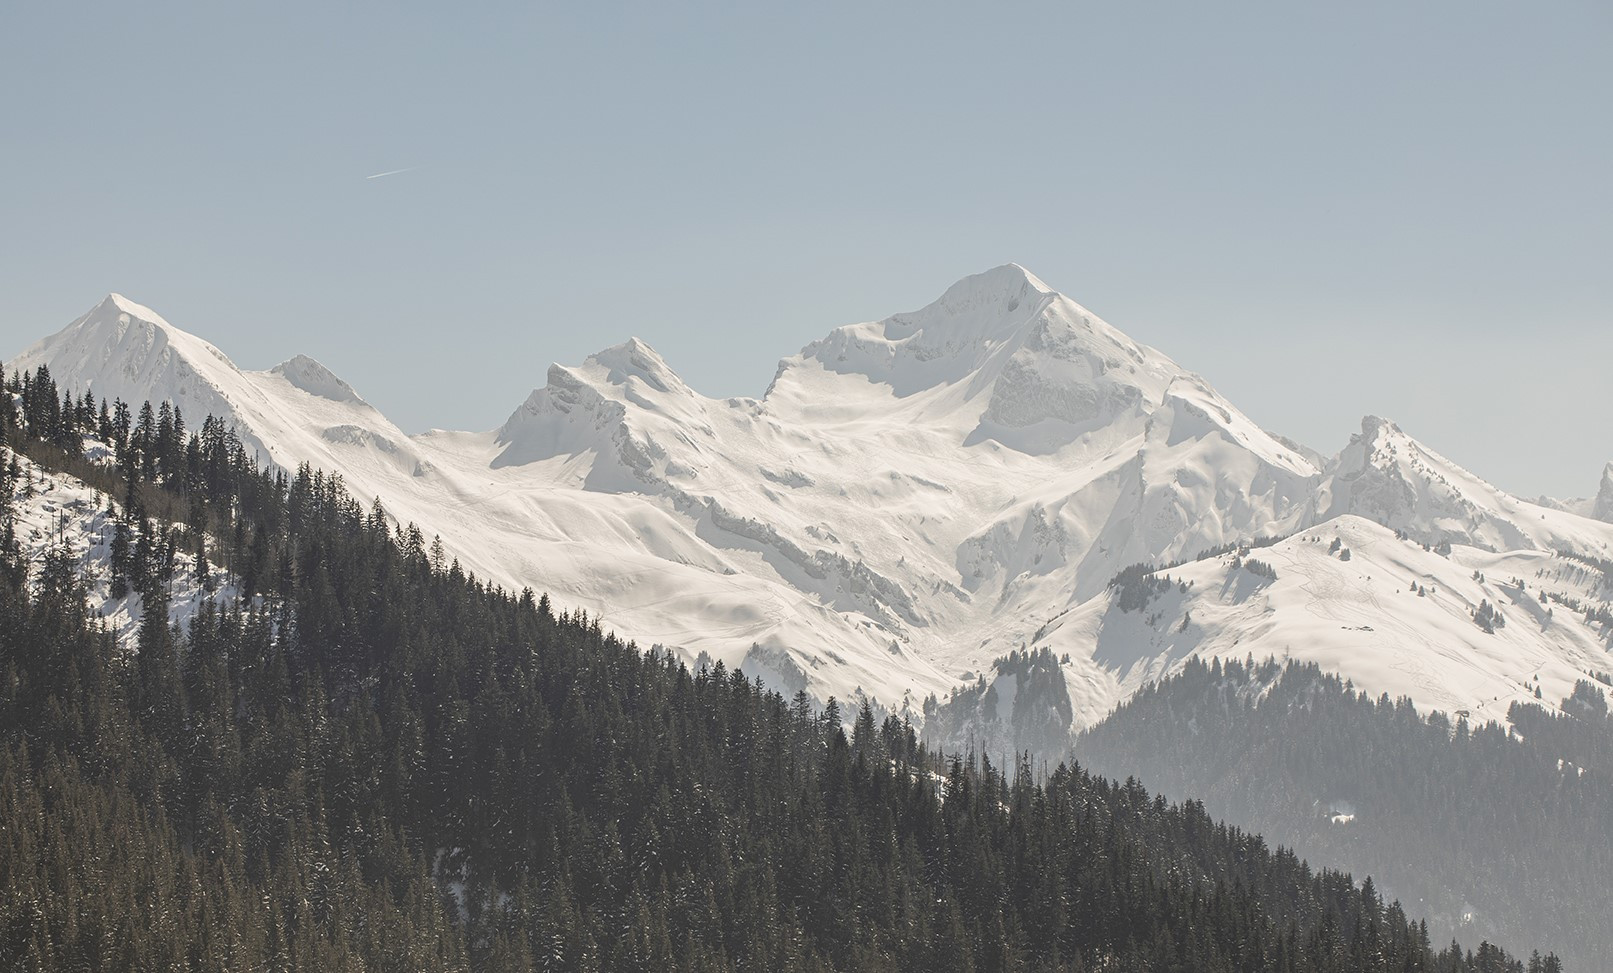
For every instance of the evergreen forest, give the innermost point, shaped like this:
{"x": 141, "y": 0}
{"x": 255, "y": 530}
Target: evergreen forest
{"x": 1498, "y": 831}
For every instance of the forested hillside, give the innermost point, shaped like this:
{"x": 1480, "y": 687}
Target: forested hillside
{"x": 372, "y": 760}
{"x": 1487, "y": 830}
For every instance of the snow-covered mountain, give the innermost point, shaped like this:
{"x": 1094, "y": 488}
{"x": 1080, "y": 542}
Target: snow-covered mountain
{"x": 1384, "y": 609}
{"x": 916, "y": 497}
{"x": 292, "y": 413}
{"x": 1386, "y": 476}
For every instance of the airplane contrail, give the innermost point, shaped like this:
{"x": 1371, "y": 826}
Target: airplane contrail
{"x": 392, "y": 172}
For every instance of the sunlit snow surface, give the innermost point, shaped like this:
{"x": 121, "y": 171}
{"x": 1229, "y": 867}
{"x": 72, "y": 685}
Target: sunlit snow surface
{"x": 1362, "y": 618}
{"x": 916, "y": 496}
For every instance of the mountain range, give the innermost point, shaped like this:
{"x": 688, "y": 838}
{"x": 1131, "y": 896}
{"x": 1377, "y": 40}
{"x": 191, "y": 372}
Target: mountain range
{"x": 918, "y": 504}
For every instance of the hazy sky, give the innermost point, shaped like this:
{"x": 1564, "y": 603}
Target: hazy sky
{"x": 1326, "y": 209}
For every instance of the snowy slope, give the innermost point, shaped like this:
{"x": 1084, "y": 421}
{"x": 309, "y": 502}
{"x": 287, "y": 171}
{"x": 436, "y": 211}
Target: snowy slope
{"x": 911, "y": 499}
{"x": 1389, "y": 477}
{"x": 52, "y": 510}
{"x": 1395, "y": 616}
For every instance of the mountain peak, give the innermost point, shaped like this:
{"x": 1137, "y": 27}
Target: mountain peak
{"x": 1007, "y": 282}
{"x": 1602, "y": 509}
{"x": 635, "y": 359}
{"x": 1387, "y": 475}
{"x": 117, "y": 344}
{"x": 117, "y": 318}
{"x": 977, "y": 319}
{"x": 117, "y": 303}
{"x": 1374, "y": 426}
{"x": 309, "y": 375}
{"x": 120, "y": 349}
{"x": 990, "y": 298}
{"x": 116, "y": 311}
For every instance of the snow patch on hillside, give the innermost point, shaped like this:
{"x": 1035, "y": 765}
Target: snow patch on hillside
{"x": 52, "y": 511}
{"x": 1390, "y": 614}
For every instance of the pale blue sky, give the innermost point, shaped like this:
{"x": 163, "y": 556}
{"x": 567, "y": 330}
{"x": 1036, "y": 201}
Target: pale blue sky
{"x": 1326, "y": 209}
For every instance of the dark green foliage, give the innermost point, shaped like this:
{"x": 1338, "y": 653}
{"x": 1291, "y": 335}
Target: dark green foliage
{"x": 1038, "y": 720}
{"x": 1457, "y": 818}
{"x": 1260, "y": 569}
{"x": 1137, "y": 586}
{"x": 1581, "y": 735}
{"x": 1488, "y": 617}
{"x": 1588, "y": 701}
{"x": 379, "y": 762}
